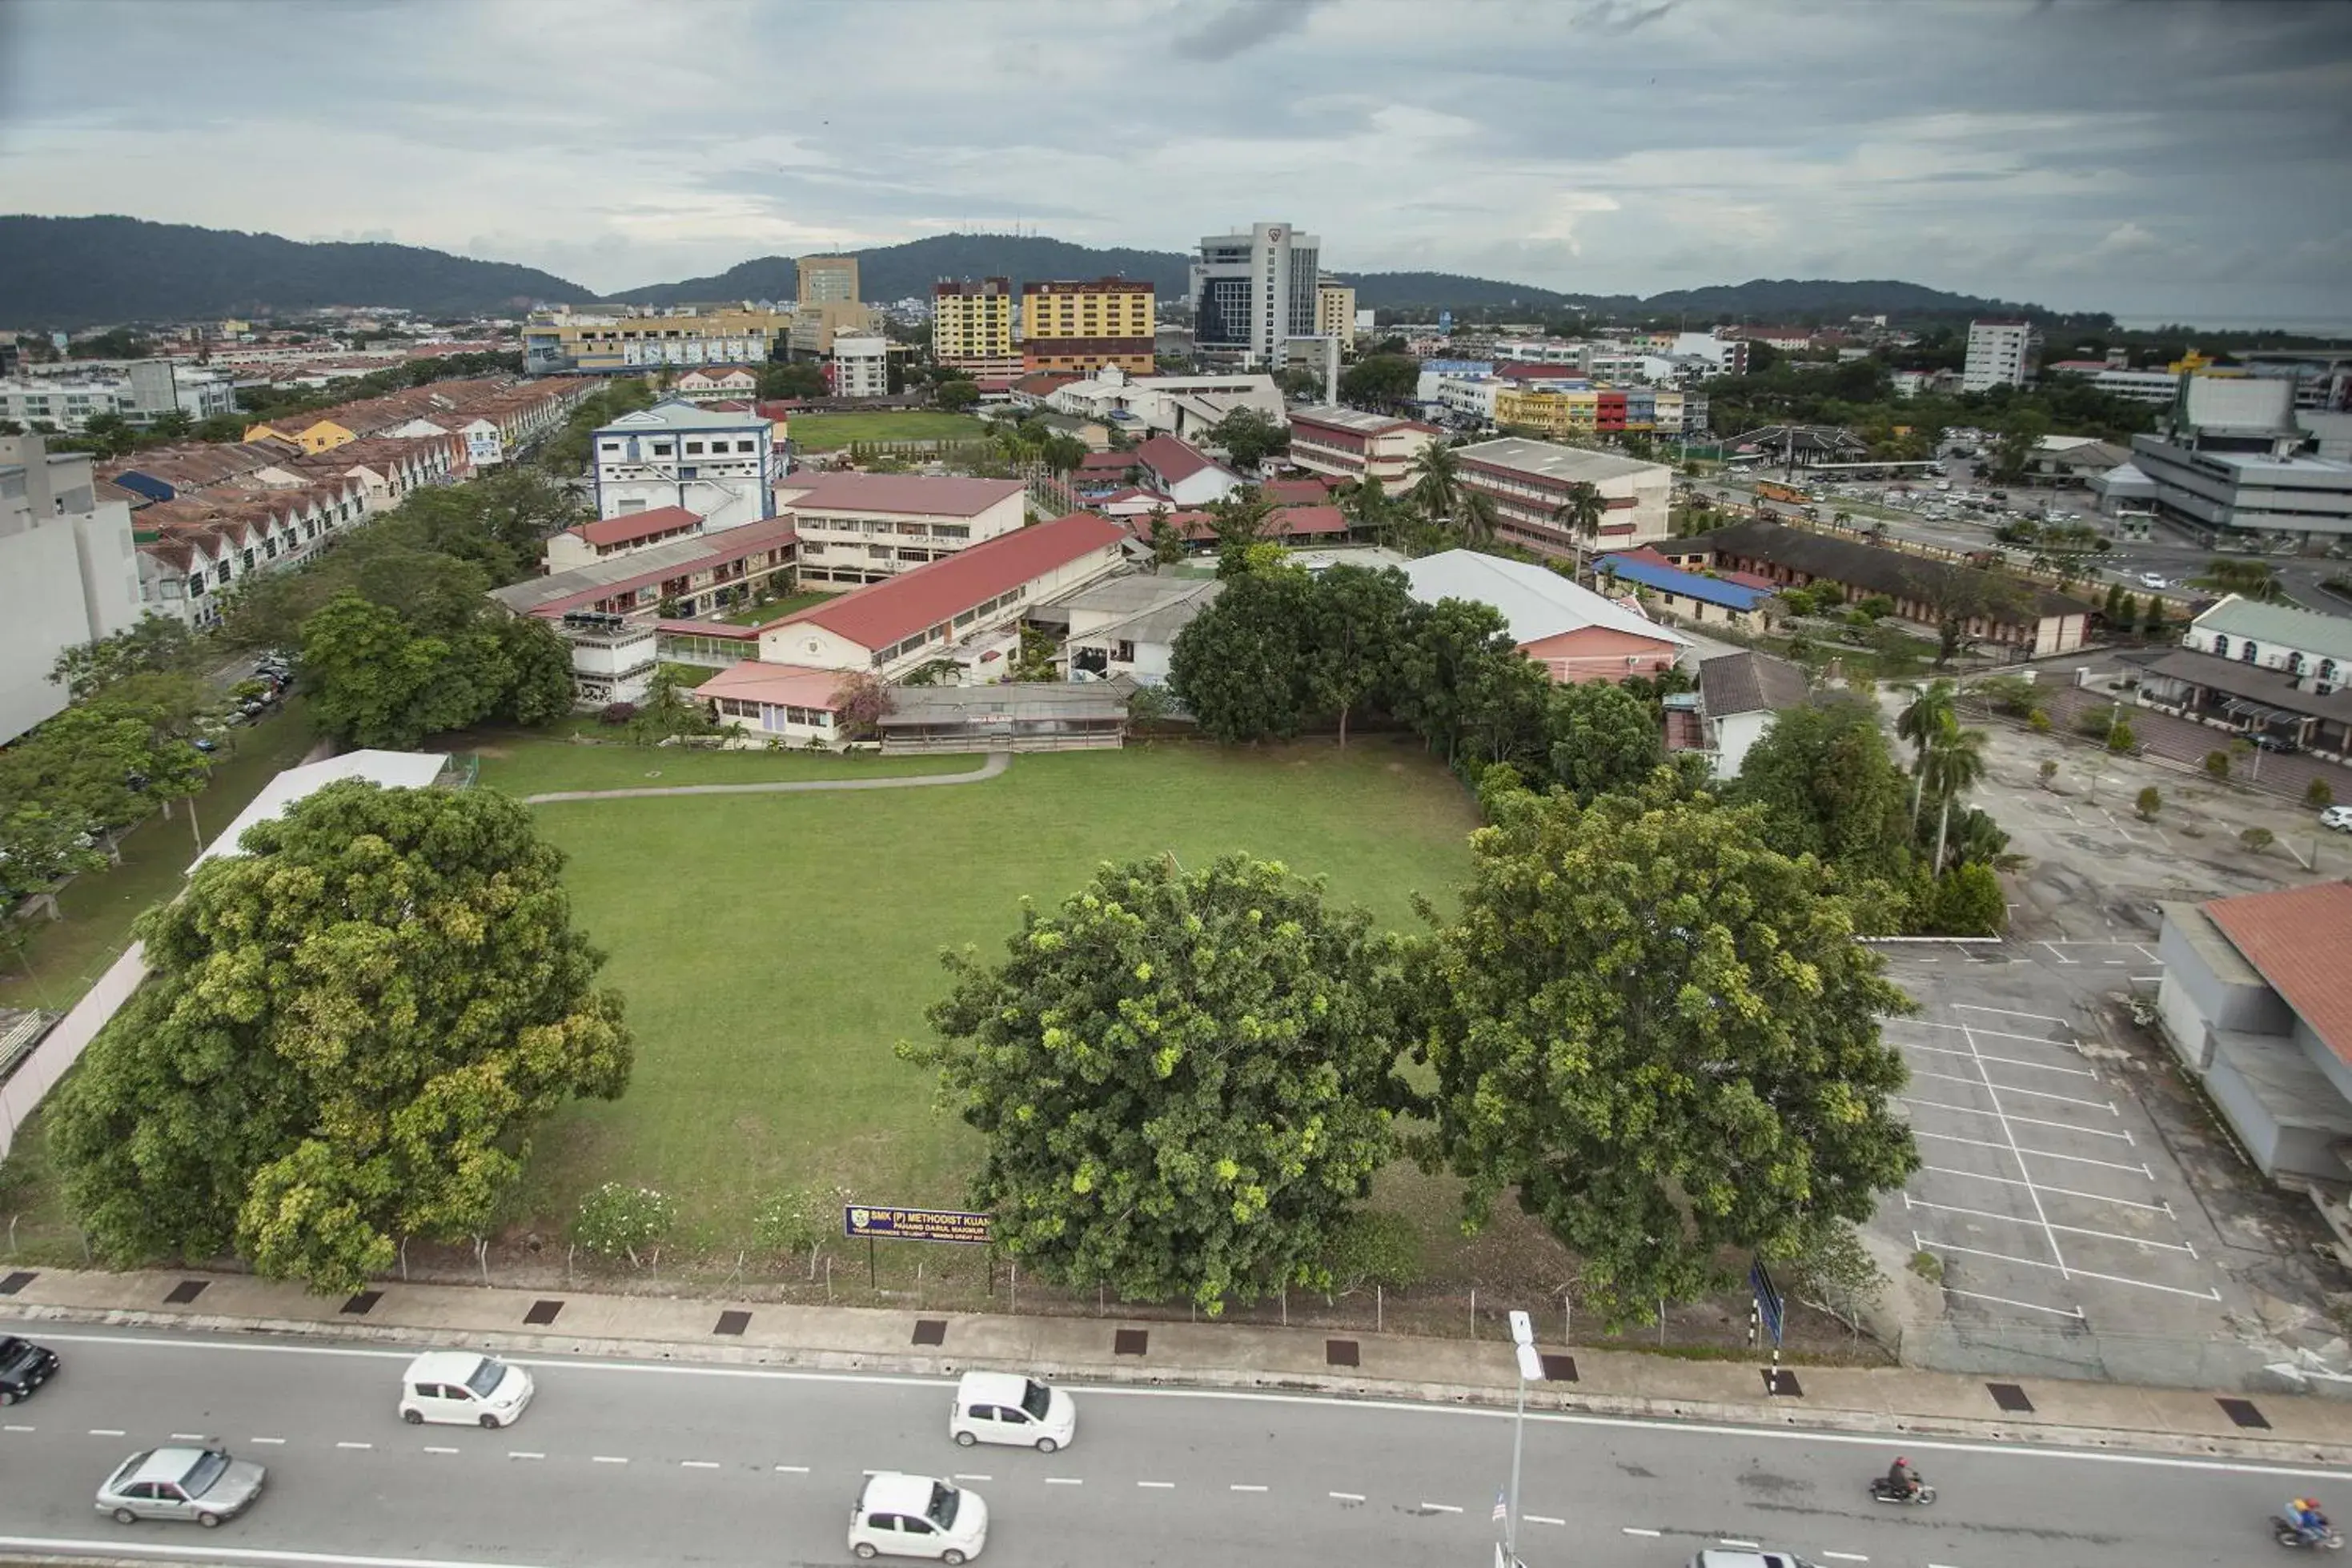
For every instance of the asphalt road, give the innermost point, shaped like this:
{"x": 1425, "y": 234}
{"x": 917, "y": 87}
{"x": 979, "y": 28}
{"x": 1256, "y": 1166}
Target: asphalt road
{"x": 638, "y": 1464}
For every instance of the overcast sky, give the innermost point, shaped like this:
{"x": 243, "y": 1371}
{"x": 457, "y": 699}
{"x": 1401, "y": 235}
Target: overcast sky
{"x": 2148, "y": 157}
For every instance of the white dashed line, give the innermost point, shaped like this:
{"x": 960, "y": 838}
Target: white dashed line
{"x": 698, "y": 1464}
{"x": 176, "y": 1437}
{"x": 1239, "y": 1486}
{"x": 1157, "y": 1486}
{"x": 1347, "y": 1496}
{"x": 1540, "y": 1519}
{"x": 1064, "y": 1481}
{"x": 268, "y": 1442}
{"x": 355, "y": 1445}
{"x": 517, "y": 1453}
{"x": 1743, "y": 1545}
{"x": 106, "y": 1431}
{"x": 433, "y": 1450}
{"x": 609, "y": 1459}
{"x": 1630, "y": 1529}
{"x": 1846, "y": 1556}
{"x": 1439, "y": 1508}
{"x": 15, "y": 1429}
{"x": 804, "y": 1469}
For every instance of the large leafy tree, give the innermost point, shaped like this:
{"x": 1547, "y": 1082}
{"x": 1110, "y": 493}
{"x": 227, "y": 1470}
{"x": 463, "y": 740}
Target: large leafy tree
{"x": 1249, "y": 437}
{"x": 1441, "y": 661}
{"x": 159, "y": 644}
{"x": 1662, "y": 1034}
{"x": 375, "y": 683}
{"x": 1355, "y": 618}
{"x": 1242, "y": 667}
{"x": 1603, "y": 738}
{"x": 1183, "y": 1079}
{"x": 1830, "y": 788}
{"x": 351, "y": 1029}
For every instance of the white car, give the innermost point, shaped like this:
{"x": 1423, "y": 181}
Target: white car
{"x": 2153, "y": 579}
{"x": 2338, "y": 817}
{"x": 1005, "y": 1407}
{"x": 459, "y": 1387}
{"x": 900, "y": 1515}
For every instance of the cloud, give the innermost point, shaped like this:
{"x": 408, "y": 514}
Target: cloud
{"x": 1241, "y": 27}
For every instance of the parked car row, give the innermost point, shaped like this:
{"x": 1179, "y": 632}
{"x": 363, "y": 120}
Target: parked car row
{"x": 896, "y": 1514}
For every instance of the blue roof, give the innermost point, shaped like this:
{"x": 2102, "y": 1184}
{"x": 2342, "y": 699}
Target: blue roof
{"x": 1690, "y": 584}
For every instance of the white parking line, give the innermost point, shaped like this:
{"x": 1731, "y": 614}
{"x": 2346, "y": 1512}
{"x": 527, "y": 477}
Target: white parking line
{"x": 804, "y": 1469}
{"x": 2008, "y": 1013}
{"x": 2021, "y": 1121}
{"x": 265, "y": 1442}
{"x": 1999, "y": 1061}
{"x": 14, "y": 1428}
{"x": 106, "y": 1431}
{"x": 2073, "y": 1313}
{"x": 2164, "y": 1207}
{"x": 608, "y": 1459}
{"x": 1910, "y": 1202}
{"x": 1846, "y": 1556}
{"x": 2208, "y": 1294}
{"x": 1742, "y": 1545}
{"x": 1630, "y": 1529}
{"x": 1076, "y": 1482}
{"x": 180, "y": 1437}
{"x": 514, "y": 1454}
{"x": 2106, "y": 1105}
{"x": 2043, "y": 1153}
{"x": 2053, "y": 951}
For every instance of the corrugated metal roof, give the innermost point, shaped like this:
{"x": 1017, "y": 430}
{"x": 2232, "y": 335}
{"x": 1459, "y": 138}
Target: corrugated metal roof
{"x": 2281, "y": 626}
{"x": 1536, "y": 603}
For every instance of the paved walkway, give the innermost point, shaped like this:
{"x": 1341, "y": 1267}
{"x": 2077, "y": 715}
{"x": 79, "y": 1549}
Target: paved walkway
{"x": 2284, "y": 1429}
{"x": 998, "y": 761}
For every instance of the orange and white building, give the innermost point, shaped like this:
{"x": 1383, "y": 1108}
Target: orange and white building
{"x": 1348, "y": 444}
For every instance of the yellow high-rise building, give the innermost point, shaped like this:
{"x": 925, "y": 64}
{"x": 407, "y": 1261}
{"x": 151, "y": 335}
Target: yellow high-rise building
{"x": 827, "y": 279}
{"x": 971, "y": 322}
{"x": 1334, "y": 310}
{"x": 1086, "y": 326}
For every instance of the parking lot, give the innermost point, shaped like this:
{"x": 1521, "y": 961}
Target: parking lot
{"x": 2045, "y": 1193}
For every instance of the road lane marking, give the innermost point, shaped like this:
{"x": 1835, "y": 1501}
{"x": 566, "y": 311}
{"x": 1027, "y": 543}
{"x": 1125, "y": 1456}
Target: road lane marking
{"x": 698, "y": 1464}
{"x": 1157, "y": 1486}
{"x": 13, "y": 1428}
{"x": 804, "y": 1469}
{"x": 106, "y": 1431}
{"x": 434, "y": 1450}
{"x": 268, "y": 1442}
{"x": 608, "y": 1459}
{"x": 1064, "y": 1481}
{"x": 113, "y": 1549}
{"x": 1238, "y": 1486}
{"x": 1651, "y": 1534}
{"x": 1742, "y": 1545}
{"x": 1347, "y": 1496}
{"x": 1540, "y": 1519}
{"x": 355, "y": 1445}
{"x": 1428, "y": 1507}
{"x": 189, "y": 1437}
{"x": 1846, "y": 1556}
{"x": 516, "y": 1454}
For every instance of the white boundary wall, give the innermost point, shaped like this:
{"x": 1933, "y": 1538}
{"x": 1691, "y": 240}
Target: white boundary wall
{"x": 63, "y": 1045}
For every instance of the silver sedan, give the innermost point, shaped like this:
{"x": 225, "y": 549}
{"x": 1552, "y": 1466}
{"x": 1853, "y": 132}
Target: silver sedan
{"x": 205, "y": 1484}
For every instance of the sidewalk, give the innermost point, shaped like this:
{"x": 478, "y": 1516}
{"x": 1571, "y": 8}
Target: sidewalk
{"x": 2281, "y": 1429}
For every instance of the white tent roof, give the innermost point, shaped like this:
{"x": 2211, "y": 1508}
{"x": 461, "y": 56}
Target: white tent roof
{"x": 1536, "y": 603}
{"x": 393, "y": 769}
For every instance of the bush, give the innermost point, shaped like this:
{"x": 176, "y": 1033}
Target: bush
{"x": 616, "y": 713}
{"x": 1877, "y": 607}
{"x": 1967, "y": 901}
{"x": 2217, "y": 765}
{"x": 1796, "y": 601}
{"x": 2149, "y": 804}
{"x": 2121, "y": 738}
{"x": 787, "y": 1223}
{"x": 2318, "y": 796}
{"x": 2037, "y": 721}
{"x": 1375, "y": 1247}
{"x": 2049, "y": 769}
{"x": 2257, "y": 839}
{"x": 616, "y": 1219}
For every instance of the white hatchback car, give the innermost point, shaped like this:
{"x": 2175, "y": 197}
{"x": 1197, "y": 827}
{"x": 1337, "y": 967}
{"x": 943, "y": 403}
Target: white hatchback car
{"x": 1004, "y": 1408}
{"x": 900, "y": 1515}
{"x": 2338, "y": 816}
{"x": 463, "y": 1388}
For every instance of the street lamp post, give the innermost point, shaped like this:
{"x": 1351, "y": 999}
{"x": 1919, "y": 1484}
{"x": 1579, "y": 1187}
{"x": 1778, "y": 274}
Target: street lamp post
{"x": 1523, "y": 1337}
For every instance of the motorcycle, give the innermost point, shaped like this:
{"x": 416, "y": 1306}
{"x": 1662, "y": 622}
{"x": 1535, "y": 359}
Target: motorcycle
{"x": 2286, "y": 1533}
{"x": 1919, "y": 1496}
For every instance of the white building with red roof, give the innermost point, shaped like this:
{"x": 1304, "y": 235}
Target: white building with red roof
{"x": 861, "y": 528}
{"x": 1183, "y": 473}
{"x": 584, "y": 543}
{"x": 1348, "y": 444}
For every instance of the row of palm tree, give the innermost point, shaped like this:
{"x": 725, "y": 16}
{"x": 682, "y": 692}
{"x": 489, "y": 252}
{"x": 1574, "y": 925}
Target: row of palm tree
{"x": 1439, "y": 492}
{"x": 1947, "y": 760}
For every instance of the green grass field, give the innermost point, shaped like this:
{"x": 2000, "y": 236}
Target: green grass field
{"x": 774, "y": 948}
{"x": 522, "y": 763}
{"x": 831, "y": 432}
{"x": 776, "y": 610}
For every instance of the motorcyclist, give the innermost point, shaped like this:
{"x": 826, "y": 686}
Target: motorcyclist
{"x": 2305, "y": 1515}
{"x": 1901, "y": 1479}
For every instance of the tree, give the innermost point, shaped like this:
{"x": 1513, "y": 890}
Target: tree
{"x": 1931, "y": 714}
{"x": 109, "y": 434}
{"x": 1381, "y": 379}
{"x": 789, "y": 379}
{"x": 159, "y": 642}
{"x": 1475, "y": 518}
{"x": 1957, "y": 598}
{"x": 1435, "y": 476}
{"x": 1354, "y": 619}
{"x": 537, "y": 662}
{"x": 351, "y": 1029}
{"x": 1248, "y": 437}
{"x": 1953, "y": 764}
{"x": 1581, "y": 514}
{"x": 957, "y": 395}
{"x": 171, "y": 424}
{"x": 1830, "y": 788}
{"x": 1966, "y": 901}
{"x": 2217, "y": 765}
{"x": 1603, "y": 738}
{"x": 375, "y": 683}
{"x": 1663, "y": 1034}
{"x": 1167, "y": 542}
{"x": 2149, "y": 803}
{"x": 2251, "y": 579}
{"x": 1239, "y": 521}
{"x": 1242, "y": 667}
{"x": 1183, "y": 1079}
{"x": 1438, "y": 662}
{"x": 860, "y": 703}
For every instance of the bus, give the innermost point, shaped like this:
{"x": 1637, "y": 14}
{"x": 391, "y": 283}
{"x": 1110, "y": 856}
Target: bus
{"x": 1773, "y": 490}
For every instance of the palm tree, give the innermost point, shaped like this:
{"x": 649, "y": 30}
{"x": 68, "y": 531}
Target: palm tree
{"x": 1930, "y": 716}
{"x": 1952, "y": 765}
{"x": 2256, "y": 579}
{"x": 1475, "y": 518}
{"x": 1581, "y": 515}
{"x": 1436, "y": 480}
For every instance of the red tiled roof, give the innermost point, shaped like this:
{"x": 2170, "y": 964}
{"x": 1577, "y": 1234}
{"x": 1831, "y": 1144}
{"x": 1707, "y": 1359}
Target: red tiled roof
{"x": 793, "y": 686}
{"x": 1293, "y": 521}
{"x": 907, "y": 493}
{"x": 1111, "y": 462}
{"x": 2300, "y": 940}
{"x": 776, "y": 410}
{"x": 1169, "y": 458}
{"x": 727, "y": 545}
{"x": 637, "y": 526}
{"x": 882, "y": 614}
{"x": 1297, "y": 492}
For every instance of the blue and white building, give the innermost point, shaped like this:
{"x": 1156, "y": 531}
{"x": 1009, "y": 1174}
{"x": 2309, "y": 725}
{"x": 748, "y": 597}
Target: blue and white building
{"x": 720, "y": 465}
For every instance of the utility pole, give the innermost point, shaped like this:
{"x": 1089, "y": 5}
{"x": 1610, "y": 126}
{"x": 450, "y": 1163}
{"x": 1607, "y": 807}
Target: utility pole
{"x": 1522, "y": 1338}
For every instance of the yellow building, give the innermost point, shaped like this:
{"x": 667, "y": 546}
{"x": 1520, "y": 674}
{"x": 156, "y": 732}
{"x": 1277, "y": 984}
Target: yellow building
{"x": 1552, "y": 412}
{"x": 1334, "y": 310}
{"x": 1083, "y": 326}
{"x": 563, "y": 341}
{"x": 306, "y": 430}
{"x": 815, "y": 327}
{"x": 972, "y": 320}
{"x": 827, "y": 279}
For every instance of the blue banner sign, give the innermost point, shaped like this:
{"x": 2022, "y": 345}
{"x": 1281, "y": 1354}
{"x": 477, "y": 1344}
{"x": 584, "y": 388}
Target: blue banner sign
{"x": 915, "y": 1223}
{"x": 1767, "y": 1299}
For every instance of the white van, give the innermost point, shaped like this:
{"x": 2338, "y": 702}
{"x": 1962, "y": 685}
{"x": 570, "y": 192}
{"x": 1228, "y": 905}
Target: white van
{"x": 1005, "y": 1407}
{"x": 461, "y": 1388}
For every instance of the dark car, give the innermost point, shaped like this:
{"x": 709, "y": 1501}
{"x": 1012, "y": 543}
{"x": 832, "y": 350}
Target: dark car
{"x": 2274, "y": 743}
{"x": 24, "y": 1366}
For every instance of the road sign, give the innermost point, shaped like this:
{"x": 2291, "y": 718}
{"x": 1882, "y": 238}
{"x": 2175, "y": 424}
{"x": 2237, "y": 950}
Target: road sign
{"x": 894, "y": 1224}
{"x": 1768, "y": 1305}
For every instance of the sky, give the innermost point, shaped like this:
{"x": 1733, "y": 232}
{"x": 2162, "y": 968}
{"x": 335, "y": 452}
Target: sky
{"x": 2165, "y": 159}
